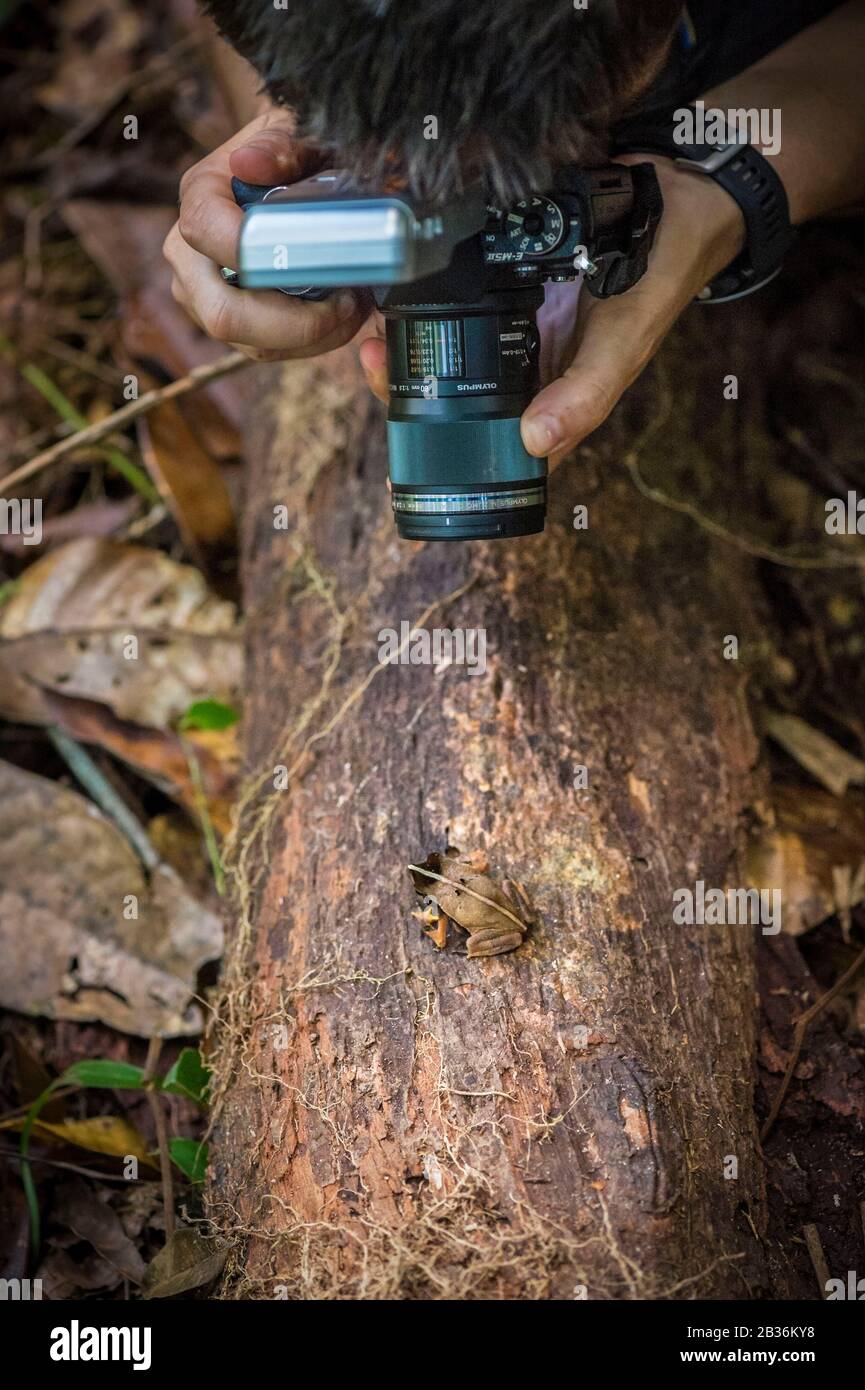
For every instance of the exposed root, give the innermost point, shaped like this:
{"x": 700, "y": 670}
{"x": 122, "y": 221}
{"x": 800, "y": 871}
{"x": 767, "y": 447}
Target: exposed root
{"x": 459, "y": 1246}
{"x": 455, "y": 1247}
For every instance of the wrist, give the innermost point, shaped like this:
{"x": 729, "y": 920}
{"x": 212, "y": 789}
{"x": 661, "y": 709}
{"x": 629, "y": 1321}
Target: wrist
{"x": 715, "y": 220}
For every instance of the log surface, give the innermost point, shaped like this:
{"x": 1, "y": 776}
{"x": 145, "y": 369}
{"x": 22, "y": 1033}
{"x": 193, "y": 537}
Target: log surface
{"x": 394, "y": 1121}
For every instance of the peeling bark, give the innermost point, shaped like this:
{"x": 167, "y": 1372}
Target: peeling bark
{"x": 398, "y": 1122}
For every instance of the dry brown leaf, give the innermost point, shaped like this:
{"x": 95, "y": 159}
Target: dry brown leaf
{"x": 169, "y": 671}
{"x": 112, "y": 642}
{"x": 111, "y": 944}
{"x": 90, "y": 1217}
{"x": 187, "y": 1261}
{"x": 189, "y": 480}
{"x": 65, "y": 1278}
{"x": 96, "y": 583}
{"x": 87, "y": 519}
{"x": 814, "y": 836}
{"x": 159, "y": 756}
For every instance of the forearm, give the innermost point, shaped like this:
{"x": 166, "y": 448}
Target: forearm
{"x": 815, "y": 81}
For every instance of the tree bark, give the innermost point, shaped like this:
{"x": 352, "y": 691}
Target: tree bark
{"x": 563, "y": 1121}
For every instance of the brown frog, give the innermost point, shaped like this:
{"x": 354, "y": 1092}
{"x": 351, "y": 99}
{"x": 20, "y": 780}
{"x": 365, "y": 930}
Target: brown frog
{"x": 456, "y": 889}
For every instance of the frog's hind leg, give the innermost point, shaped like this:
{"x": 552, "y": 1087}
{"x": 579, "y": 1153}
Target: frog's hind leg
{"x": 493, "y": 942}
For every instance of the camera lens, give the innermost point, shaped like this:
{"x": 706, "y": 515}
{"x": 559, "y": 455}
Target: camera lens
{"x": 460, "y": 378}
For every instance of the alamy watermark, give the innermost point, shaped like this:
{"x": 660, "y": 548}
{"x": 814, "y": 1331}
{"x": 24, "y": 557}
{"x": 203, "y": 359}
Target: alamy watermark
{"x": 22, "y": 516}
{"x": 735, "y": 906}
{"x": 77, "y": 1343}
{"x": 845, "y": 516}
{"x": 702, "y": 125}
{"x": 439, "y": 647}
{"x": 20, "y": 1290}
{"x": 853, "y": 1290}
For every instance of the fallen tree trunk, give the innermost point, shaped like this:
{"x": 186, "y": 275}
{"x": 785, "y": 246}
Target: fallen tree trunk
{"x": 571, "y": 1119}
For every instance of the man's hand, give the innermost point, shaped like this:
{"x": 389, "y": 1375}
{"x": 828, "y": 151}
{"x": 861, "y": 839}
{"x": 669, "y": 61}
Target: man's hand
{"x": 701, "y": 231}
{"x": 266, "y": 325}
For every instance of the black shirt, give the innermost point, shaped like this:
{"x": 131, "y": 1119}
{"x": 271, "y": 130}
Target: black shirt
{"x": 717, "y": 39}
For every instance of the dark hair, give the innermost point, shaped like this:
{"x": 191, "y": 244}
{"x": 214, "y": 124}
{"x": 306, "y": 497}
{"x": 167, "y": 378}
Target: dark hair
{"x": 512, "y": 84}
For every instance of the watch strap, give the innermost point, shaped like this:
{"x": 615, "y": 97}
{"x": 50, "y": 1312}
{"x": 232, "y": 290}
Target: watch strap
{"x": 748, "y": 177}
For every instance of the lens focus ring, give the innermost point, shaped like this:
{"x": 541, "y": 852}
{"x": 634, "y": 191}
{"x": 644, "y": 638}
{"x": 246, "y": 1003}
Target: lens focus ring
{"x": 437, "y": 504}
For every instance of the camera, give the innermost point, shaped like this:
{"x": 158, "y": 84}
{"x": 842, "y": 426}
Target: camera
{"x": 459, "y": 287}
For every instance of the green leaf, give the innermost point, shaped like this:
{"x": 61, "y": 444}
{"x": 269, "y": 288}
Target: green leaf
{"x": 121, "y": 1075}
{"x": 190, "y": 1155}
{"x": 209, "y": 714}
{"x": 188, "y": 1077}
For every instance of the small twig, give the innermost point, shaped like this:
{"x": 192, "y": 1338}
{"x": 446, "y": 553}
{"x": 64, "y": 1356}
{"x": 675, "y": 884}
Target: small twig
{"x": 790, "y": 558}
{"x": 802, "y": 1025}
{"x": 450, "y": 1091}
{"x": 198, "y": 377}
{"x": 818, "y": 1259}
{"x": 96, "y": 783}
{"x": 461, "y": 888}
{"x": 154, "y": 1099}
{"x": 11, "y": 1156}
{"x": 50, "y": 391}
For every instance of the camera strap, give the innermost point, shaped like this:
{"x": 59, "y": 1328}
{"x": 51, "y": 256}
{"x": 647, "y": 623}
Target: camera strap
{"x": 621, "y": 208}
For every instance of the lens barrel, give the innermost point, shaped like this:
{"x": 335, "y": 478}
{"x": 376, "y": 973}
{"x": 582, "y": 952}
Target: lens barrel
{"x": 460, "y": 378}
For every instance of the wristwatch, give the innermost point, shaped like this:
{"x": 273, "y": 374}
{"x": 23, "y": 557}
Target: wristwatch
{"x": 749, "y": 178}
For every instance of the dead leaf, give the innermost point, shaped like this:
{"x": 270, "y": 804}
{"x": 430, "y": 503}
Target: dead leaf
{"x": 149, "y": 678}
{"x": 88, "y": 519}
{"x": 111, "y": 1135}
{"x": 190, "y": 482}
{"x": 64, "y": 1277}
{"x": 111, "y": 642}
{"x": 830, "y": 764}
{"x": 32, "y": 1077}
{"x": 113, "y": 945}
{"x": 77, "y": 1206}
{"x": 472, "y": 899}
{"x": 187, "y": 1261}
{"x": 96, "y": 583}
{"x": 160, "y": 756}
{"x": 813, "y": 854}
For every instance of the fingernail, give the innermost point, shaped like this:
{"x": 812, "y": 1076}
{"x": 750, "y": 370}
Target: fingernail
{"x": 281, "y": 157}
{"x": 541, "y": 434}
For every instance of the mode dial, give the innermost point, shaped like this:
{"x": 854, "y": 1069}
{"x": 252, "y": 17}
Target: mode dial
{"x": 535, "y": 225}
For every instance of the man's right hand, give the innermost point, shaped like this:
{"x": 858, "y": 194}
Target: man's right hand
{"x": 265, "y": 324}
